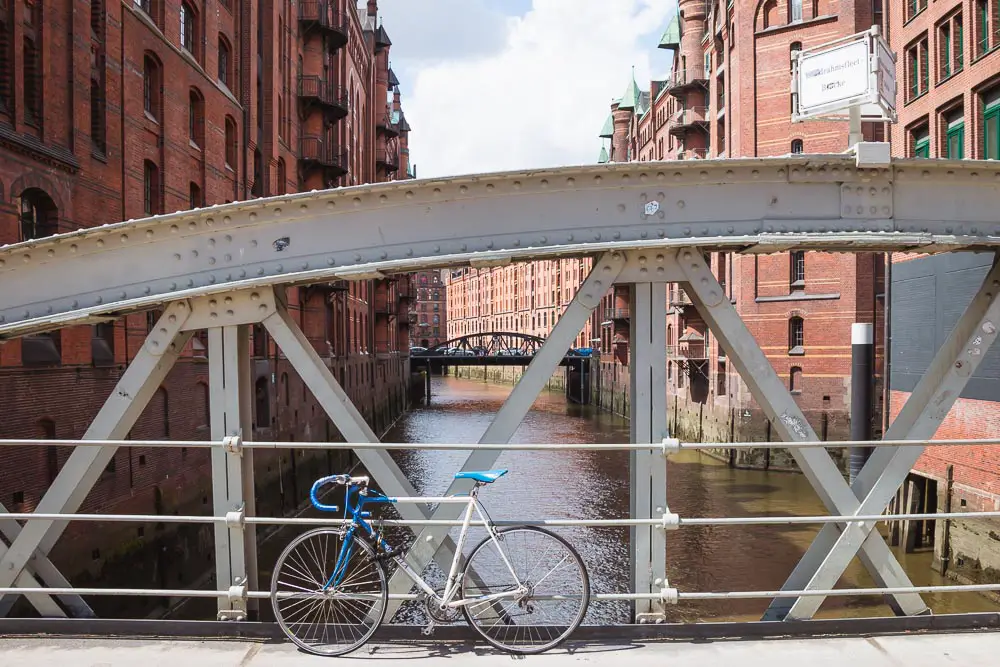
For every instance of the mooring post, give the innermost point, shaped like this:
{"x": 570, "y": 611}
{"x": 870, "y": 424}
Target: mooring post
{"x": 862, "y": 348}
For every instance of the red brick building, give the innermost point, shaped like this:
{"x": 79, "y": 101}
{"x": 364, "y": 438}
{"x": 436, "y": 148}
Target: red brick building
{"x": 429, "y": 316}
{"x": 119, "y": 110}
{"x": 949, "y": 72}
{"x": 729, "y": 96}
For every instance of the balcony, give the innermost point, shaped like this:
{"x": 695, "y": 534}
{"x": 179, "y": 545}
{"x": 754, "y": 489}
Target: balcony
{"x": 388, "y": 159}
{"x": 313, "y": 90}
{"x": 319, "y": 153}
{"x": 685, "y": 120}
{"x": 684, "y": 80}
{"x": 386, "y": 126}
{"x": 321, "y": 17}
{"x": 616, "y": 314}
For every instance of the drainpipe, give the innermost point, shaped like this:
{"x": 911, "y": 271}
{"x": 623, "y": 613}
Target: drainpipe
{"x": 886, "y": 341}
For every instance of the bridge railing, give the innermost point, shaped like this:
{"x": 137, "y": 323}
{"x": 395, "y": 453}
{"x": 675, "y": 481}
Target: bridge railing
{"x": 668, "y": 521}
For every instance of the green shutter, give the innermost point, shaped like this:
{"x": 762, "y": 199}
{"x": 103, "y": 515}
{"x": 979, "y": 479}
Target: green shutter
{"x": 955, "y": 142}
{"x": 991, "y": 132}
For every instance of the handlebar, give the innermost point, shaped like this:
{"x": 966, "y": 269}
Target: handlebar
{"x": 334, "y": 479}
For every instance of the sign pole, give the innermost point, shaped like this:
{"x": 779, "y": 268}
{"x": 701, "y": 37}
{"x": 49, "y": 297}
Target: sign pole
{"x": 854, "y": 134}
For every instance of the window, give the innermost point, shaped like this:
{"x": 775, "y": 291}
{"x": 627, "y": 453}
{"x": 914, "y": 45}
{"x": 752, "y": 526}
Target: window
{"x": 921, "y": 141}
{"x": 982, "y": 26}
{"x": 194, "y": 196}
{"x": 954, "y": 143}
{"x": 6, "y": 57}
{"x": 151, "y": 87}
{"x": 187, "y": 17}
{"x": 796, "y": 336}
{"x": 917, "y": 69}
{"x": 795, "y": 10}
{"x": 39, "y": 215}
{"x": 795, "y": 380}
{"x": 282, "y": 176}
{"x": 32, "y": 83}
{"x": 795, "y": 46}
{"x": 97, "y": 136}
{"x": 797, "y": 146}
{"x": 102, "y": 344}
{"x": 991, "y": 124}
{"x": 231, "y": 145}
{"x": 225, "y": 54}
{"x": 797, "y": 277}
{"x": 914, "y": 7}
{"x": 151, "y": 188}
{"x": 196, "y": 118}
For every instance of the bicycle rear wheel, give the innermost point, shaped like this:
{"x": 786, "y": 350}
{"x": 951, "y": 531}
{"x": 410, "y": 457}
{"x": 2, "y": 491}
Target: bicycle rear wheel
{"x": 555, "y": 600}
{"x": 336, "y": 620}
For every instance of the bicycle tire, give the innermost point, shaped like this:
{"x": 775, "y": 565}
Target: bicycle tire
{"x": 504, "y": 534}
{"x": 382, "y": 594}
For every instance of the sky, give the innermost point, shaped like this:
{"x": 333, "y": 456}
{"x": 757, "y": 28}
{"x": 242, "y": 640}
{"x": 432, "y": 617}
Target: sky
{"x": 492, "y": 85}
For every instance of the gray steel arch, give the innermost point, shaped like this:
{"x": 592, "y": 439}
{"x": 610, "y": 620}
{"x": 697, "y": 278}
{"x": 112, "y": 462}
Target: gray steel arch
{"x": 748, "y": 205}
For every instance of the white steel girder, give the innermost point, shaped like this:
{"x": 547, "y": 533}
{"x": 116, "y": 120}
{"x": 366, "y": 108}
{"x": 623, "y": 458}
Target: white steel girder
{"x": 545, "y": 361}
{"x": 233, "y": 490}
{"x": 84, "y": 466}
{"x": 919, "y": 419}
{"x": 648, "y": 424}
{"x": 822, "y": 202}
{"x": 777, "y": 403}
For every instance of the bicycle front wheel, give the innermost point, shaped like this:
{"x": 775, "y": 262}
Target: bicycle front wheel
{"x": 328, "y": 620}
{"x": 551, "y": 580}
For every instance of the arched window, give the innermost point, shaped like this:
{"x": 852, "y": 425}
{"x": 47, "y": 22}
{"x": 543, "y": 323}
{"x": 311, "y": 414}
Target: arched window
{"x": 188, "y": 27}
{"x": 194, "y": 196}
{"x": 151, "y": 86}
{"x": 795, "y": 380}
{"x": 196, "y": 117}
{"x": 793, "y": 47}
{"x": 39, "y": 215}
{"x": 231, "y": 145}
{"x": 770, "y": 13}
{"x": 282, "y": 176}
{"x": 796, "y": 336}
{"x": 151, "y": 188}
{"x": 225, "y": 61}
{"x": 797, "y": 146}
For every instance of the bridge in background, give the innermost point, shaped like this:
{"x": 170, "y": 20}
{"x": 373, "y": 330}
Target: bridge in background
{"x": 225, "y": 268}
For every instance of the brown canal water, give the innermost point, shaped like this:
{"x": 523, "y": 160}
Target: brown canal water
{"x": 594, "y": 484}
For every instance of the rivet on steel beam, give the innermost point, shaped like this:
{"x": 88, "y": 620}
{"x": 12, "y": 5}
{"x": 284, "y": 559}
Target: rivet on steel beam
{"x": 516, "y": 185}
{"x": 409, "y": 193}
{"x": 194, "y": 253}
{"x": 73, "y": 248}
{"x": 571, "y": 181}
{"x": 621, "y": 208}
{"x": 124, "y": 238}
{"x": 260, "y": 271}
{"x": 211, "y": 243}
{"x": 331, "y": 204}
{"x": 437, "y": 192}
{"x": 100, "y": 300}
{"x": 173, "y": 229}
{"x": 382, "y": 199}
{"x": 192, "y": 225}
{"x": 643, "y": 234}
{"x": 277, "y": 213}
{"x": 214, "y": 315}
{"x": 229, "y": 313}
{"x": 463, "y": 189}
{"x": 597, "y": 179}
{"x": 190, "y": 282}
{"x": 211, "y": 260}
{"x": 280, "y": 268}
{"x": 262, "y": 307}
{"x": 228, "y": 257}
{"x": 625, "y": 177}
{"x": 124, "y": 295}
{"x": 252, "y": 216}
{"x": 100, "y": 243}
{"x": 149, "y": 233}
{"x": 305, "y": 265}
{"x": 680, "y": 203}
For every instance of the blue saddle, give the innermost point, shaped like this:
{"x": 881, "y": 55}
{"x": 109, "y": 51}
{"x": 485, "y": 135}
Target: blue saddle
{"x": 484, "y": 476}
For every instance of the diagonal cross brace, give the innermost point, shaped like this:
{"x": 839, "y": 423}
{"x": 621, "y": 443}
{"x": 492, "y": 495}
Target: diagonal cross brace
{"x": 922, "y": 414}
{"x": 46, "y": 570}
{"x": 791, "y": 425}
{"x": 345, "y": 416}
{"x": 513, "y": 411}
{"x": 84, "y": 466}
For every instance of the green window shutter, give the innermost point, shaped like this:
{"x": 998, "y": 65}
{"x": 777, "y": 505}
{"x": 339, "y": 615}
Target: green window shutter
{"x": 991, "y": 132}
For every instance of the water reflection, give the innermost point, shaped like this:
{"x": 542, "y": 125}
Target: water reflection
{"x": 594, "y": 484}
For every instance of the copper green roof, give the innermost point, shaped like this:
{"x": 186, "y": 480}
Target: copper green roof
{"x": 671, "y": 38}
{"x": 603, "y": 157}
{"x": 608, "y": 130}
{"x": 631, "y": 97}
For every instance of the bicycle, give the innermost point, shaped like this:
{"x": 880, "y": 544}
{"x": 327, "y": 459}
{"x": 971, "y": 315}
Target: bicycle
{"x": 330, "y": 601}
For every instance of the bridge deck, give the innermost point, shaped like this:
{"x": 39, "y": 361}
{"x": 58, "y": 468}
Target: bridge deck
{"x": 978, "y": 648}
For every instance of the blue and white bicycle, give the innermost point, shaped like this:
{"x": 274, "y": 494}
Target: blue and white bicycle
{"x": 524, "y": 589}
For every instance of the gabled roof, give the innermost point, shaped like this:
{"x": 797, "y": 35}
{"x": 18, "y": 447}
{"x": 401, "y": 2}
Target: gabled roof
{"x": 631, "y": 97}
{"x": 671, "y": 37}
{"x": 393, "y": 81}
{"x": 608, "y": 130}
{"x": 603, "y": 157}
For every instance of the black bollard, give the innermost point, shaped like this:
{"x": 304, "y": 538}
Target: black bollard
{"x": 862, "y": 348}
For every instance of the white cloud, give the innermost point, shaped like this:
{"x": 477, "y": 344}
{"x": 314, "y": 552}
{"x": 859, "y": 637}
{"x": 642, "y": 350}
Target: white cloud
{"x": 537, "y": 101}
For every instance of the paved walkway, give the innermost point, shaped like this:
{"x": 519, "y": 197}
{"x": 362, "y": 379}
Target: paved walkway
{"x": 966, "y": 649}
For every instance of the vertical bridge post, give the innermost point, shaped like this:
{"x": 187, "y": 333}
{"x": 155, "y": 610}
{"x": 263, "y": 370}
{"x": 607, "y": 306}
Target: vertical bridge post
{"x": 648, "y": 424}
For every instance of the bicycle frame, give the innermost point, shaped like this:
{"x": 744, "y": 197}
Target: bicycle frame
{"x": 358, "y": 518}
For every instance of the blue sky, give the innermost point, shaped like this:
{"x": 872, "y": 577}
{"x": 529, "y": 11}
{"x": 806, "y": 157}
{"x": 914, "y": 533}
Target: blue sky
{"x": 492, "y": 85}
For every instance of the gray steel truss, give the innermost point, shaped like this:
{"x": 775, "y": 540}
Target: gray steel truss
{"x": 789, "y": 422}
{"x": 919, "y": 419}
{"x": 84, "y": 466}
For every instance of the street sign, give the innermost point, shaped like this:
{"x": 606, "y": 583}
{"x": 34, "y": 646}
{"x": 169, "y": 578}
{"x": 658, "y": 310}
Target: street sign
{"x": 856, "y": 72}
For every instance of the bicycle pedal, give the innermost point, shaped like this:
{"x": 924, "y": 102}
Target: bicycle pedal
{"x": 427, "y": 631}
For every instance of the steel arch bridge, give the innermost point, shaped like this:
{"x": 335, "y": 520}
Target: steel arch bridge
{"x": 224, "y": 268}
{"x": 487, "y": 344}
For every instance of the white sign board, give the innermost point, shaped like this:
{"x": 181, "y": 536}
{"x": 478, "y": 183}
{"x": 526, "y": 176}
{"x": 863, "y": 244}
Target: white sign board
{"x": 837, "y": 75}
{"x": 886, "y": 74}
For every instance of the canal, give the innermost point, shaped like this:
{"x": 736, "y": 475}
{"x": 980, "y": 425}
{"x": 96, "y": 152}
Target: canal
{"x": 594, "y": 484}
